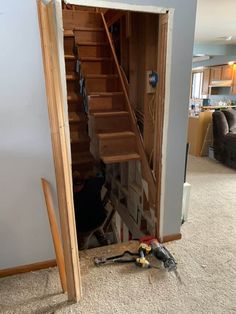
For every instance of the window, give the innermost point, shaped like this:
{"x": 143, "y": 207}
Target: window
{"x": 197, "y": 84}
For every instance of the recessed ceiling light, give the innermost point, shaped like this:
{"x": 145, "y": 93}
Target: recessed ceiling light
{"x": 228, "y": 38}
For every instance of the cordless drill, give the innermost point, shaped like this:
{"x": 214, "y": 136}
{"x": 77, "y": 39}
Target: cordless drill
{"x": 143, "y": 251}
{"x": 162, "y": 254}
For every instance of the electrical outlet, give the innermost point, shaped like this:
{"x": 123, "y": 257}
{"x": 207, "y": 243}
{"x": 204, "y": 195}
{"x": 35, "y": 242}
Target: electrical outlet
{"x": 149, "y": 88}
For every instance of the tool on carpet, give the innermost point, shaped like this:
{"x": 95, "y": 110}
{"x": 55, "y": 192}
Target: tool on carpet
{"x": 128, "y": 257}
{"x": 162, "y": 254}
{"x": 143, "y": 251}
{"x": 148, "y": 246}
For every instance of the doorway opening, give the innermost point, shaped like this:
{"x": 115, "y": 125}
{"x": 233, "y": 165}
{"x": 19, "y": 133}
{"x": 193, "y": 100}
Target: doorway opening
{"x": 114, "y": 60}
{"x": 116, "y": 113}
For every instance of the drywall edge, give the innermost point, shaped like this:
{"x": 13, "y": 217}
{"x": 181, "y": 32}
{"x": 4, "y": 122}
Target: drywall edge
{"x": 118, "y": 6}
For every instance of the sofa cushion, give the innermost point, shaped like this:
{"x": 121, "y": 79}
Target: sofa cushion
{"x": 230, "y": 141}
{"x": 220, "y": 125}
{"x": 230, "y": 115}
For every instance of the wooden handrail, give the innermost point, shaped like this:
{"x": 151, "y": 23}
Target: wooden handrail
{"x": 124, "y": 77}
{"x": 146, "y": 170}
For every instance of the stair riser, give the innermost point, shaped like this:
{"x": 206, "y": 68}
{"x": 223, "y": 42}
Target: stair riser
{"x": 93, "y": 51}
{"x": 102, "y": 84}
{"x": 81, "y": 19}
{"x": 70, "y": 66}
{"x": 111, "y": 124}
{"x": 81, "y": 36}
{"x": 69, "y": 45}
{"x": 111, "y": 103}
{"x": 72, "y": 86}
{"x": 97, "y": 67}
{"x": 86, "y": 9}
{"x": 75, "y": 106}
{"x": 78, "y": 126}
{"x": 79, "y": 147}
{"x": 117, "y": 146}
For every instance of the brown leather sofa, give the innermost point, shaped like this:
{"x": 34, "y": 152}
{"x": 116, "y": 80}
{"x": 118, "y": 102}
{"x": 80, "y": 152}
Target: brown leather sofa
{"x": 224, "y": 136}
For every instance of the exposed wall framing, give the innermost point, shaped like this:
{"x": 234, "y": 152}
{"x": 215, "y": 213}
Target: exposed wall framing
{"x": 128, "y": 200}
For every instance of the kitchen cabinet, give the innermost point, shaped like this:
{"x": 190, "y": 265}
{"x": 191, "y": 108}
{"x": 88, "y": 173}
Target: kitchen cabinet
{"x": 227, "y": 72}
{"x": 215, "y": 73}
{"x": 233, "y": 90}
{"x": 205, "y": 81}
{"x": 221, "y": 72}
{"x": 218, "y": 73}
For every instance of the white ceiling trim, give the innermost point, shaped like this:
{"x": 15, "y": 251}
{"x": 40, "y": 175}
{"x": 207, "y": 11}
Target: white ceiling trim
{"x": 119, "y": 6}
{"x": 202, "y": 58}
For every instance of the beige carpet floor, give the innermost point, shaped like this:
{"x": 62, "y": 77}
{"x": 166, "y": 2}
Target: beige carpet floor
{"x": 206, "y": 258}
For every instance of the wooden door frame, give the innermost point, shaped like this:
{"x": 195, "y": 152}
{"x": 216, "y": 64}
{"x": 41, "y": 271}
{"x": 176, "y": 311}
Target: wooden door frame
{"x": 162, "y": 119}
{"x": 51, "y": 29}
{"x": 56, "y": 98}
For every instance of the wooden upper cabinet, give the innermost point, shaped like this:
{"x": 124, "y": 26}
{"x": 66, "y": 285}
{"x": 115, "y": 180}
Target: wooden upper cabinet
{"x": 205, "y": 81}
{"x": 233, "y": 90}
{"x": 216, "y": 73}
{"x": 227, "y": 72}
{"x": 222, "y": 72}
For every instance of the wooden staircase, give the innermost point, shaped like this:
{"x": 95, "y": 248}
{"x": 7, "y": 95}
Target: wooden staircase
{"x": 82, "y": 159}
{"x": 114, "y": 134}
{"x": 113, "y": 139}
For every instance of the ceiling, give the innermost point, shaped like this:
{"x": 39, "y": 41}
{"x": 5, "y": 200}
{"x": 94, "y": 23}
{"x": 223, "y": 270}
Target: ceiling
{"x": 216, "y": 20}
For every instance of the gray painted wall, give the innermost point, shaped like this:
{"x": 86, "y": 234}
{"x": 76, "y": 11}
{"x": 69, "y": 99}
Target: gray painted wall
{"x": 214, "y": 49}
{"x": 24, "y": 130}
{"x": 215, "y": 61}
{"x": 25, "y": 144}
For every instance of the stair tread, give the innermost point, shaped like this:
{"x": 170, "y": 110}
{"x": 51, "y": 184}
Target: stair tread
{"x": 73, "y": 97}
{"x": 110, "y": 76}
{"x": 92, "y": 43}
{"x": 80, "y": 158}
{"x": 71, "y": 77}
{"x": 77, "y": 117}
{"x": 116, "y": 135}
{"x": 104, "y": 94}
{"x": 79, "y": 137}
{"x": 95, "y": 59}
{"x": 91, "y": 29}
{"x": 70, "y": 57}
{"x": 68, "y": 33}
{"x": 120, "y": 158}
{"x": 109, "y": 113}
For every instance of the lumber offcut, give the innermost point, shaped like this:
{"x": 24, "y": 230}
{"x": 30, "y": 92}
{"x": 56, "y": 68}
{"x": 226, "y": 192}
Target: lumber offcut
{"x": 55, "y": 233}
